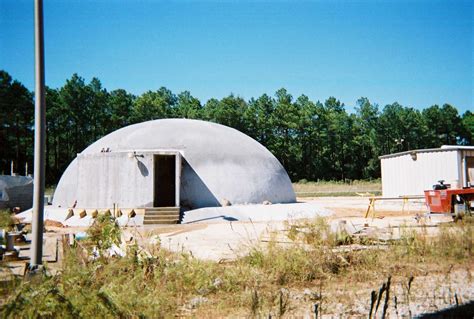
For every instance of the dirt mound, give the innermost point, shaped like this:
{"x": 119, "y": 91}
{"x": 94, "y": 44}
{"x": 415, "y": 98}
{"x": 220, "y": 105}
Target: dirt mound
{"x": 53, "y": 223}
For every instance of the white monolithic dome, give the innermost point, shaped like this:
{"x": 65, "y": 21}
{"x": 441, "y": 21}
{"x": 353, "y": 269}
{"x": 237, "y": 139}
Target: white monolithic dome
{"x": 173, "y": 162}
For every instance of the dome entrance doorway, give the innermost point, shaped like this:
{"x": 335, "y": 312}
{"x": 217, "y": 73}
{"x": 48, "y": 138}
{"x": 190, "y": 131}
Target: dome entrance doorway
{"x": 165, "y": 181}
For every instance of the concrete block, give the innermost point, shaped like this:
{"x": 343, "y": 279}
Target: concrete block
{"x": 70, "y": 213}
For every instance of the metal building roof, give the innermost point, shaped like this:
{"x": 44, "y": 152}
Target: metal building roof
{"x": 444, "y": 148}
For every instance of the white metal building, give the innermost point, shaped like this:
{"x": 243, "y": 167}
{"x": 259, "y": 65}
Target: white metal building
{"x": 412, "y": 172}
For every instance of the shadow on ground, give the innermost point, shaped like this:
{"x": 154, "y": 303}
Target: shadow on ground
{"x": 461, "y": 311}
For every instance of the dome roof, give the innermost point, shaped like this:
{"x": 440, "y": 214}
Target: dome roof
{"x": 229, "y": 164}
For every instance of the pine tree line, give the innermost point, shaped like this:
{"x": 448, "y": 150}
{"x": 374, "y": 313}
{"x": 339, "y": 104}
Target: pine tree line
{"x": 313, "y": 140}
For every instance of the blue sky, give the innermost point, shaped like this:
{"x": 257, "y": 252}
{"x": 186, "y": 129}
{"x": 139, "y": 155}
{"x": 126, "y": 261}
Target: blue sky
{"x": 418, "y": 53}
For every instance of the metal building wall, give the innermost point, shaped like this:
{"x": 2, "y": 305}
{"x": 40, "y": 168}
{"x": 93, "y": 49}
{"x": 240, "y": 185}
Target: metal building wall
{"x": 401, "y": 175}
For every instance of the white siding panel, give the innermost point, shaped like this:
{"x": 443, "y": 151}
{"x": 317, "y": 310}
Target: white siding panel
{"x": 107, "y": 178}
{"x": 401, "y": 175}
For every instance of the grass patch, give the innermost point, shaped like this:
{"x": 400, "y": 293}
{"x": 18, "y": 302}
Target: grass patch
{"x": 305, "y": 188}
{"x": 49, "y": 190}
{"x": 6, "y": 220}
{"x": 157, "y": 283}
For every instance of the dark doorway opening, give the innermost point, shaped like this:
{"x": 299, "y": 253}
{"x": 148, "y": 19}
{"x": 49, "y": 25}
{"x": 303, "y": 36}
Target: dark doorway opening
{"x": 470, "y": 169}
{"x": 164, "y": 181}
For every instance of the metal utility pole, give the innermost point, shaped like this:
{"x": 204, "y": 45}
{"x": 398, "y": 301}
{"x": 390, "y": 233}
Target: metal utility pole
{"x": 40, "y": 138}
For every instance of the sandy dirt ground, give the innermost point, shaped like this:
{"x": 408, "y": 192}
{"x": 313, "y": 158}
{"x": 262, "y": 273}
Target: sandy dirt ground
{"x": 230, "y": 239}
{"x": 227, "y": 240}
{"x": 219, "y": 239}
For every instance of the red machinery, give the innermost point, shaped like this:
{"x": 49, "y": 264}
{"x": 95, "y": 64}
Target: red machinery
{"x": 445, "y": 200}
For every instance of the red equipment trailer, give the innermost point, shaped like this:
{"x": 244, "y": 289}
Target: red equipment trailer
{"x": 454, "y": 201}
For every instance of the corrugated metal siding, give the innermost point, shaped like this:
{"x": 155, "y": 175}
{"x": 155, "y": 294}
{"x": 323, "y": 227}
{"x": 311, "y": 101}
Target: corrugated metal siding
{"x": 402, "y": 175}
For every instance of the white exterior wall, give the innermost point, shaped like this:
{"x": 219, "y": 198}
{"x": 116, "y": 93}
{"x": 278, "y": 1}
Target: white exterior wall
{"x": 107, "y": 178}
{"x": 401, "y": 175}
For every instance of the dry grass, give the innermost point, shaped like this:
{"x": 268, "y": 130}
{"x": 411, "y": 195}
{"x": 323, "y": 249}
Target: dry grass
{"x": 6, "y": 220}
{"x": 49, "y": 190}
{"x": 158, "y": 283}
{"x": 336, "y": 188}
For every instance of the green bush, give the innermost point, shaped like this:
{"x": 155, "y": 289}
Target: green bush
{"x": 104, "y": 232}
{"x": 6, "y": 220}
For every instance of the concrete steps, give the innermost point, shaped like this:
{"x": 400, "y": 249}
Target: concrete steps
{"x": 161, "y": 215}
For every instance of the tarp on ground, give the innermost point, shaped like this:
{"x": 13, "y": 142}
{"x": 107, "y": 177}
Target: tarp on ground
{"x": 16, "y": 191}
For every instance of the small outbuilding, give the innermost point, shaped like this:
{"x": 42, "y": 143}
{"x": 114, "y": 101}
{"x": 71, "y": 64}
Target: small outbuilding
{"x": 412, "y": 172}
{"x": 173, "y": 163}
